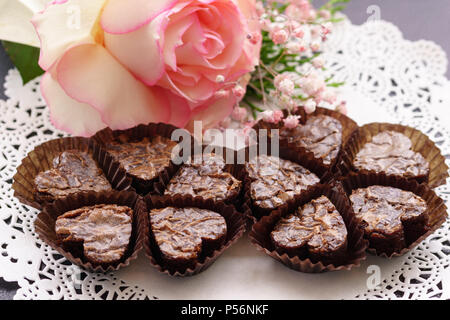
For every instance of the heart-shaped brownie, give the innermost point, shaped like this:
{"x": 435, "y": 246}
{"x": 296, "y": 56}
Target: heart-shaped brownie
{"x": 185, "y": 234}
{"x": 392, "y": 218}
{"x": 275, "y": 180}
{"x": 144, "y": 159}
{"x": 315, "y": 230}
{"x": 390, "y": 152}
{"x": 73, "y": 171}
{"x": 322, "y": 135}
{"x": 204, "y": 176}
{"x": 99, "y": 233}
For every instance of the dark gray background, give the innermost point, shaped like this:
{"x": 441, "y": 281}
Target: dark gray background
{"x": 417, "y": 19}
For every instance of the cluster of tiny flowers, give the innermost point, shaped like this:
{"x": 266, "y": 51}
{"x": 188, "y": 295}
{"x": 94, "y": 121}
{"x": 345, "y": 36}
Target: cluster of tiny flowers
{"x": 299, "y": 30}
{"x": 295, "y": 29}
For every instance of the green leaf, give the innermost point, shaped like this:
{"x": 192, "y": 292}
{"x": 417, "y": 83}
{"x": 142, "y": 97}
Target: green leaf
{"x": 25, "y": 58}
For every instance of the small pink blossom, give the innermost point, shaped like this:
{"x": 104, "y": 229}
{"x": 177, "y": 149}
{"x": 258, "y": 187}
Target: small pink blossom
{"x": 287, "y": 102}
{"x": 342, "y": 107}
{"x": 265, "y": 24}
{"x": 278, "y": 79}
{"x": 325, "y": 14}
{"x": 255, "y": 37}
{"x": 312, "y": 14}
{"x": 310, "y": 106}
{"x": 294, "y": 47}
{"x": 291, "y": 122}
{"x": 286, "y": 86}
{"x": 315, "y": 46}
{"x": 280, "y": 37}
{"x": 272, "y": 116}
{"x": 315, "y": 31}
{"x": 238, "y": 91}
{"x": 222, "y": 94}
{"x": 299, "y": 32}
{"x": 329, "y": 96}
{"x": 318, "y": 62}
{"x": 220, "y": 79}
{"x": 312, "y": 84}
{"x": 260, "y": 10}
{"x": 300, "y": 11}
{"x": 239, "y": 113}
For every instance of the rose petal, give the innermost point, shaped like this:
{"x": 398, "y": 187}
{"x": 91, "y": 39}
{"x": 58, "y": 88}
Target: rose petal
{"x": 15, "y": 23}
{"x": 173, "y": 39}
{"x": 198, "y": 91}
{"x": 89, "y": 74}
{"x": 180, "y": 111}
{"x": 121, "y": 16}
{"x": 141, "y": 50}
{"x": 59, "y": 28}
{"x": 248, "y": 9}
{"x": 212, "y": 112}
{"x": 67, "y": 114}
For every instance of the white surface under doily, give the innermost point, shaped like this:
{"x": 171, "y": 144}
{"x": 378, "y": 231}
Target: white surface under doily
{"x": 388, "y": 79}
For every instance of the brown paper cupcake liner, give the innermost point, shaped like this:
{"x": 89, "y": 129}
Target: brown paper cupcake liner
{"x": 356, "y": 244}
{"x": 45, "y": 224}
{"x": 41, "y": 159}
{"x": 139, "y": 132}
{"x": 436, "y": 209}
{"x": 236, "y": 226}
{"x": 348, "y": 128}
{"x": 420, "y": 143}
{"x": 294, "y": 154}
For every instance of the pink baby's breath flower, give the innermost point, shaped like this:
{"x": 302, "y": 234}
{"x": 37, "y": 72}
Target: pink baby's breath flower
{"x": 315, "y": 46}
{"x": 291, "y": 122}
{"x": 272, "y": 116}
{"x": 342, "y": 107}
{"x": 310, "y": 106}
{"x": 278, "y": 79}
{"x": 329, "y": 96}
{"x": 312, "y": 84}
{"x": 260, "y": 10}
{"x": 265, "y": 24}
{"x": 294, "y": 47}
{"x": 299, "y": 32}
{"x": 318, "y": 62}
{"x": 239, "y": 91}
{"x": 255, "y": 37}
{"x": 287, "y": 102}
{"x": 326, "y": 28}
{"x": 278, "y": 115}
{"x": 222, "y": 94}
{"x": 315, "y": 31}
{"x": 220, "y": 79}
{"x": 286, "y": 86}
{"x": 325, "y": 14}
{"x": 280, "y": 36}
{"x": 239, "y": 113}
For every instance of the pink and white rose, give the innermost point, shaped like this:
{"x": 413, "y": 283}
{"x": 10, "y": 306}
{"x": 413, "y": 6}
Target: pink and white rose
{"x": 137, "y": 61}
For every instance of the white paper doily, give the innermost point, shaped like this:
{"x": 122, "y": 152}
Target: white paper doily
{"x": 388, "y": 79}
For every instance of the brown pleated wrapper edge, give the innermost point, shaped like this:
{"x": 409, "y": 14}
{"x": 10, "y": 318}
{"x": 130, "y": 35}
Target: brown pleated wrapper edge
{"x": 137, "y": 133}
{"x": 294, "y": 154}
{"x": 420, "y": 143}
{"x": 236, "y": 226}
{"x": 436, "y": 208}
{"x": 41, "y": 159}
{"x": 45, "y": 224}
{"x": 356, "y": 247}
{"x": 349, "y": 126}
